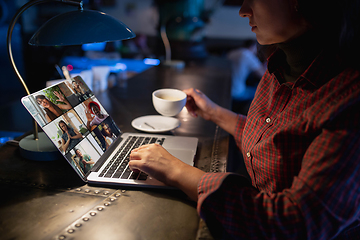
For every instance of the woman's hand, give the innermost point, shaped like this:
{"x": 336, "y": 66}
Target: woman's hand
{"x": 59, "y": 96}
{"x": 198, "y": 104}
{"x": 66, "y": 105}
{"x": 89, "y": 117}
{"x": 154, "y": 160}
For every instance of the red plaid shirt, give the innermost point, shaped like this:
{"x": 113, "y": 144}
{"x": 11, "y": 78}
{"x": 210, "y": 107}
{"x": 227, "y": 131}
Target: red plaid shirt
{"x": 301, "y": 146}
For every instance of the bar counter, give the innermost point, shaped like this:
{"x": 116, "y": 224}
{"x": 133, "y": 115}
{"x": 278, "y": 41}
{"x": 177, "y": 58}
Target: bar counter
{"x": 47, "y": 200}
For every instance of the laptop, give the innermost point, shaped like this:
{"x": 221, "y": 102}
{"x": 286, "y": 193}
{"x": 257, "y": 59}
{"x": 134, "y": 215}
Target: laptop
{"x": 85, "y": 134}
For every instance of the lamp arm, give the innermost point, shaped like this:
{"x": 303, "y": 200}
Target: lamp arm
{"x": 12, "y": 25}
{"x": 9, "y": 37}
{"x": 166, "y": 42}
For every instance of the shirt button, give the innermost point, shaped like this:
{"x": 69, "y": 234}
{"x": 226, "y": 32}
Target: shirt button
{"x": 268, "y": 120}
{"x": 248, "y": 154}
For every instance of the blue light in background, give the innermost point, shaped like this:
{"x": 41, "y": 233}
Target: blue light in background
{"x": 94, "y": 46}
{"x": 120, "y": 66}
{"x": 152, "y": 61}
{"x": 8, "y": 136}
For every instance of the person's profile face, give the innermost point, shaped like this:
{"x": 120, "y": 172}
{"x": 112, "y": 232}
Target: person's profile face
{"x": 273, "y": 21}
{"x": 75, "y": 84}
{"x": 96, "y": 110}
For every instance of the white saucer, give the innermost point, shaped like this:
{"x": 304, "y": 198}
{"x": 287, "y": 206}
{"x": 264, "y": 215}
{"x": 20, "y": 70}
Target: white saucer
{"x": 155, "y": 123}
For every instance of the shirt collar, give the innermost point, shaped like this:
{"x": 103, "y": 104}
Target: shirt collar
{"x": 325, "y": 66}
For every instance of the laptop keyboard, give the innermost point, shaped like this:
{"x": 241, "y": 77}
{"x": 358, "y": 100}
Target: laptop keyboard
{"x": 118, "y": 166}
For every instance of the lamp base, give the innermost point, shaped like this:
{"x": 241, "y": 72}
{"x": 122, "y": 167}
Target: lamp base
{"x": 39, "y": 150}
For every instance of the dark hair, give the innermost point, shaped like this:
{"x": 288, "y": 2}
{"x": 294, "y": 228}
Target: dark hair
{"x": 62, "y": 121}
{"x": 74, "y": 88}
{"x": 338, "y": 21}
{"x": 103, "y": 132}
{"x": 49, "y": 113}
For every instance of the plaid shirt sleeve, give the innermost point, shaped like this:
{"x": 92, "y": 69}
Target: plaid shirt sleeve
{"x": 233, "y": 209}
{"x": 239, "y": 129}
{"x": 323, "y": 199}
{"x": 303, "y": 163}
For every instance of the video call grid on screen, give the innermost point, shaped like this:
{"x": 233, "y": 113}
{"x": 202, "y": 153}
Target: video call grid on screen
{"x": 75, "y": 121}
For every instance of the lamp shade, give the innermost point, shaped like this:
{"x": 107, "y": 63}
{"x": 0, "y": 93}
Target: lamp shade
{"x": 80, "y": 27}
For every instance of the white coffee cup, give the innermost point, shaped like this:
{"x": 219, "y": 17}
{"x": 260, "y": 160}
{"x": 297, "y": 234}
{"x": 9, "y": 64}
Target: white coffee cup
{"x": 168, "y": 102}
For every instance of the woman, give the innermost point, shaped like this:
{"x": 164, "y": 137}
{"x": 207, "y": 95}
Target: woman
{"x": 107, "y": 133}
{"x": 85, "y": 161}
{"x": 70, "y": 137}
{"x": 93, "y": 122}
{"x": 53, "y": 110}
{"x": 79, "y": 92}
{"x": 300, "y": 140}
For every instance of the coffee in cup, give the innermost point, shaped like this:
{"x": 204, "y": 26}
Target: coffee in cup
{"x": 168, "y": 101}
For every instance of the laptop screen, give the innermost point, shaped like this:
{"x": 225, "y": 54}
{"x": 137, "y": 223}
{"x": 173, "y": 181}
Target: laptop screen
{"x": 75, "y": 121}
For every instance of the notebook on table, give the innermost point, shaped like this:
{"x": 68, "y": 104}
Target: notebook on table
{"x": 89, "y": 139}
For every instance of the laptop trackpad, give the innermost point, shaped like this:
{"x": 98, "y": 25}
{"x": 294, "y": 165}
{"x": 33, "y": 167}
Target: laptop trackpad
{"x": 187, "y": 156}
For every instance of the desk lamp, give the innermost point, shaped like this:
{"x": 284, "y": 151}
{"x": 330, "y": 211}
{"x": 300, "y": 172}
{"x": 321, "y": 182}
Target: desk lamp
{"x": 70, "y": 28}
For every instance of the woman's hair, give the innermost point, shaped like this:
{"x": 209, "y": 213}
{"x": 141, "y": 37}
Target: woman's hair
{"x": 62, "y": 121}
{"x": 49, "y": 113}
{"x": 74, "y": 88}
{"x": 338, "y": 21}
{"x": 105, "y": 133}
{"x": 75, "y": 150}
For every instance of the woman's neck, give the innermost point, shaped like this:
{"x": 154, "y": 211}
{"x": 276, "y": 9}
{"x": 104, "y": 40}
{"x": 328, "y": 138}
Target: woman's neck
{"x": 300, "y": 53}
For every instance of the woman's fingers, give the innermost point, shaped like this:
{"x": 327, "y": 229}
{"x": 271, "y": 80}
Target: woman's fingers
{"x": 134, "y": 155}
{"x": 191, "y": 106}
{"x": 137, "y": 154}
{"x": 147, "y": 147}
{"x": 135, "y": 165}
{"x": 154, "y": 160}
